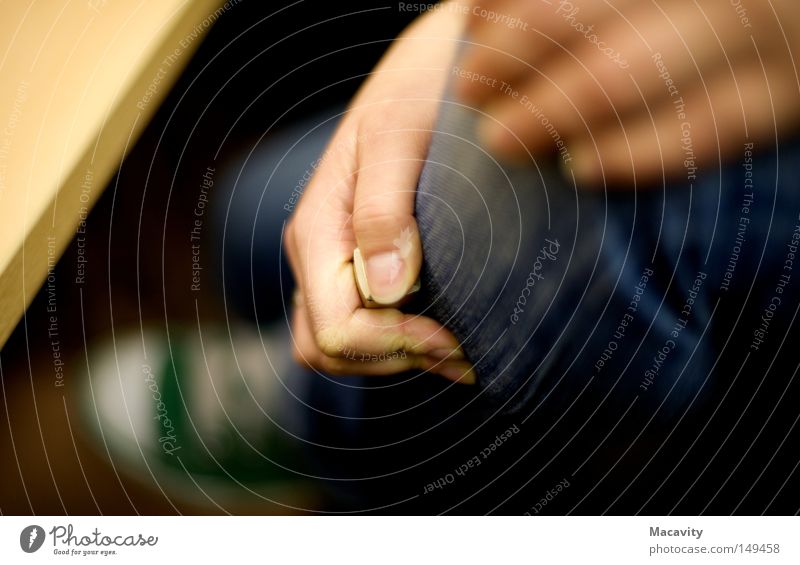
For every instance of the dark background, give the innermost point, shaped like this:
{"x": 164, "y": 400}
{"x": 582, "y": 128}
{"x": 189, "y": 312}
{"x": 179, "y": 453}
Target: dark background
{"x": 258, "y": 62}
{"x": 260, "y": 68}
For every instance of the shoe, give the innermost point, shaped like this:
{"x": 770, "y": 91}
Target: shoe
{"x": 209, "y": 416}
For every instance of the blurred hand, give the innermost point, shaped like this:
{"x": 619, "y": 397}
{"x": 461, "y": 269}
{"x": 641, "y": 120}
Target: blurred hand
{"x": 362, "y": 195}
{"x": 624, "y": 90}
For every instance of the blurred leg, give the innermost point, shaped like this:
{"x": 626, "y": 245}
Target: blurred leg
{"x": 258, "y": 193}
{"x": 580, "y": 309}
{"x": 612, "y": 319}
{"x": 550, "y": 287}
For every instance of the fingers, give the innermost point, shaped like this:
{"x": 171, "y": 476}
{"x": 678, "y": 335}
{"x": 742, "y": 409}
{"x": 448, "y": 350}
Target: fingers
{"x": 340, "y": 327}
{"x": 714, "y": 118}
{"x": 333, "y": 332}
{"x": 362, "y": 195}
{"x": 501, "y": 52}
{"x": 513, "y": 41}
{"x": 319, "y": 243}
{"x": 609, "y": 90}
{"x": 373, "y": 331}
{"x": 581, "y": 87}
{"x": 348, "y": 360}
{"x": 383, "y": 214}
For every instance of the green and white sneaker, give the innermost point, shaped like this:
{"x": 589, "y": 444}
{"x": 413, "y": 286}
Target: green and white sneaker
{"x": 206, "y": 416}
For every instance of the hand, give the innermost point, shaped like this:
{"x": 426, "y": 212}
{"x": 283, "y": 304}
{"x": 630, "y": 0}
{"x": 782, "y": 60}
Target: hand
{"x": 626, "y": 90}
{"x": 362, "y": 195}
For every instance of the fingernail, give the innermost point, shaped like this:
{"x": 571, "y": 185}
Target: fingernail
{"x": 386, "y": 277}
{"x": 445, "y": 353}
{"x": 461, "y": 373}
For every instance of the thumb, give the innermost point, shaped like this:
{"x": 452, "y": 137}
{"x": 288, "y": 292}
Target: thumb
{"x": 383, "y": 212}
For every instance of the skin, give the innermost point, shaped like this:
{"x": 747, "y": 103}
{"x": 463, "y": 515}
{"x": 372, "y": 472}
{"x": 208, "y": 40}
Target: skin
{"x": 363, "y": 195}
{"x": 599, "y": 87}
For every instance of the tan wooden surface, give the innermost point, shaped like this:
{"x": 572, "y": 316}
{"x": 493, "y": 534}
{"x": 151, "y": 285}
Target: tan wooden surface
{"x": 79, "y": 81}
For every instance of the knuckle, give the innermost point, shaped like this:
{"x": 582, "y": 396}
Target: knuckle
{"x": 384, "y": 117}
{"x": 374, "y": 219}
{"x": 399, "y": 342}
{"x": 330, "y": 342}
{"x": 388, "y": 121}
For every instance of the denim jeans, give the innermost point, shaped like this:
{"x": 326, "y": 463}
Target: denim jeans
{"x": 620, "y": 336}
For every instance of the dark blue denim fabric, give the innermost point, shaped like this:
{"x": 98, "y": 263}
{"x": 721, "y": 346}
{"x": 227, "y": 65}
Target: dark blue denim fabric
{"x": 605, "y": 326}
{"x": 552, "y": 288}
{"x": 260, "y": 190}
